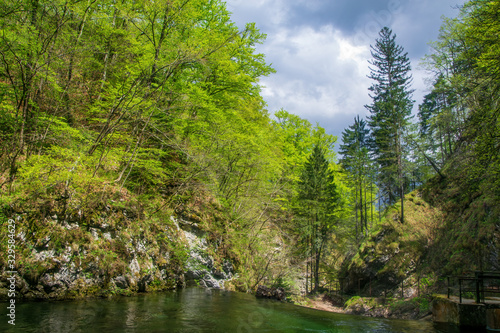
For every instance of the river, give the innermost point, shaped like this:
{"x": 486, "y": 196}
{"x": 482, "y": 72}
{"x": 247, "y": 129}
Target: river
{"x": 191, "y": 310}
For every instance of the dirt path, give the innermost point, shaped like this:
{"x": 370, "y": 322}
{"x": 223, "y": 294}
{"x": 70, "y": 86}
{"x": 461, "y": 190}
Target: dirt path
{"x": 323, "y": 303}
{"x": 320, "y": 303}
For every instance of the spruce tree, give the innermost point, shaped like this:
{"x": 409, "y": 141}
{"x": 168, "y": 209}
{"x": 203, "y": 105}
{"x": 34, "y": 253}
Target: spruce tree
{"x": 355, "y": 160}
{"x": 390, "y": 113}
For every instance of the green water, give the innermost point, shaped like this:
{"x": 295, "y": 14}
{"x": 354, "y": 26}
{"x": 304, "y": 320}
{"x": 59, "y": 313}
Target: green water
{"x": 191, "y": 310}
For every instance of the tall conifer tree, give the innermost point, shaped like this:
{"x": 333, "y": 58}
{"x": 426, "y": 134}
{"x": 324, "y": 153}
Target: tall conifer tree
{"x": 319, "y": 198}
{"x": 390, "y": 112}
{"x": 355, "y": 160}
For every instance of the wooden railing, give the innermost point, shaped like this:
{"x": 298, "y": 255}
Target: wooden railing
{"x": 478, "y": 289}
{"x": 337, "y": 286}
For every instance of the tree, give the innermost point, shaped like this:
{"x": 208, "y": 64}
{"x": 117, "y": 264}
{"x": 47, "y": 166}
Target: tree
{"x": 390, "y": 113}
{"x": 356, "y": 161}
{"x": 466, "y": 58}
{"x": 318, "y": 198}
{"x": 296, "y": 138}
{"x": 482, "y": 47}
{"x": 155, "y": 100}
{"x": 440, "y": 124}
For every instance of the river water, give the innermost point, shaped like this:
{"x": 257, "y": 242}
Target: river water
{"x": 191, "y": 310}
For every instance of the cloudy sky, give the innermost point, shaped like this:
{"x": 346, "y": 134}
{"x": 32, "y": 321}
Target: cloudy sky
{"x": 320, "y": 50}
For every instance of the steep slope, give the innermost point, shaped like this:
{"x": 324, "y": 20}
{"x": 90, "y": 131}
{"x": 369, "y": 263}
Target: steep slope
{"x": 447, "y": 231}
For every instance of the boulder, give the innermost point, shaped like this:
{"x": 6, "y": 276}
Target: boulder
{"x": 53, "y": 282}
{"x": 210, "y": 282}
{"x": 273, "y": 293}
{"x": 121, "y": 282}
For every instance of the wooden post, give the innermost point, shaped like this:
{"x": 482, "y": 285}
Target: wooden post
{"x": 448, "y": 285}
{"x": 478, "y": 297}
{"x": 460, "y": 289}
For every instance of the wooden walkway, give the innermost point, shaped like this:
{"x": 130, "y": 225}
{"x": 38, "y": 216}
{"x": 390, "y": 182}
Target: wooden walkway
{"x": 483, "y": 310}
{"x": 483, "y": 283}
{"x": 488, "y": 301}
{"x": 467, "y": 313}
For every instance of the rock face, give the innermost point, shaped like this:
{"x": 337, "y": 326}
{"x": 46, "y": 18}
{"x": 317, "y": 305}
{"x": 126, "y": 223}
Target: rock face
{"x": 116, "y": 263}
{"x": 382, "y": 266}
{"x": 201, "y": 269}
{"x": 121, "y": 282}
{"x": 274, "y": 293}
{"x": 66, "y": 279}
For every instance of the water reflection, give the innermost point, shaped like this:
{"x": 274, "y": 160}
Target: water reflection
{"x": 193, "y": 310}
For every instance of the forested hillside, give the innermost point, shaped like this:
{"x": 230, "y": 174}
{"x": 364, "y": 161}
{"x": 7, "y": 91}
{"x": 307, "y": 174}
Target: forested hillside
{"x": 121, "y": 119}
{"x": 450, "y": 154}
{"x": 460, "y": 127}
{"x": 136, "y": 151}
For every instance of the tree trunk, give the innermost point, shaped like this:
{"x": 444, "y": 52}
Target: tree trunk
{"x": 316, "y": 270}
{"x": 379, "y": 207}
{"x": 402, "y": 193}
{"x": 307, "y": 279}
{"x": 399, "y": 157}
{"x": 356, "y": 212}
{"x": 361, "y": 207}
{"x": 371, "y": 202}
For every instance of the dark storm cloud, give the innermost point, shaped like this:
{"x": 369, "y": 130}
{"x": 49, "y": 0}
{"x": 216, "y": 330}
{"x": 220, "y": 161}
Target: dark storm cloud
{"x": 344, "y": 15}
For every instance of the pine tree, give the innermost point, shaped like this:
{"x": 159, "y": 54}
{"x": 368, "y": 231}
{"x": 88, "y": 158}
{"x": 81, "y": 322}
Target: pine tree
{"x": 390, "y": 113}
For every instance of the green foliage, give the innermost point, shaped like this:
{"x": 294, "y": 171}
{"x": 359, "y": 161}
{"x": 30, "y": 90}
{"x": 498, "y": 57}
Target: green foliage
{"x": 465, "y": 59}
{"x": 319, "y": 199}
{"x": 390, "y": 113}
{"x": 440, "y": 121}
{"x": 360, "y": 173}
{"x": 451, "y": 225}
{"x": 121, "y": 115}
{"x": 352, "y": 301}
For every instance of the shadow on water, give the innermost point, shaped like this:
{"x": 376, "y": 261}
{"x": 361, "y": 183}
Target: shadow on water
{"x": 450, "y": 328}
{"x": 193, "y": 310}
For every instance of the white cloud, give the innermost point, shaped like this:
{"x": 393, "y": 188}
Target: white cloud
{"x": 320, "y": 50}
{"x": 321, "y": 73}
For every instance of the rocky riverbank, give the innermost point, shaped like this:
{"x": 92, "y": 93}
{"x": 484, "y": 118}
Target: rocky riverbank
{"x": 106, "y": 260}
{"x": 201, "y": 269}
